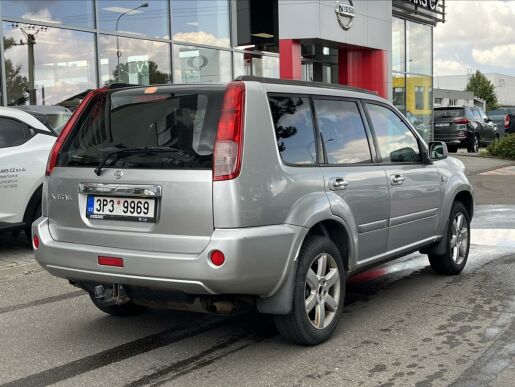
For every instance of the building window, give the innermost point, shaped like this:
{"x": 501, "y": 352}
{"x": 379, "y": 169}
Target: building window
{"x": 452, "y": 102}
{"x": 136, "y": 61}
{"x": 201, "y": 22}
{"x": 64, "y": 63}
{"x": 201, "y": 65}
{"x": 419, "y": 97}
{"x": 419, "y": 48}
{"x": 147, "y": 18}
{"x": 249, "y": 63}
{"x": 438, "y": 101}
{"x": 399, "y": 91}
{"x": 398, "y": 45}
{"x": 71, "y": 12}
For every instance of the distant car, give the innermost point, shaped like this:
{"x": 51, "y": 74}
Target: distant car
{"x": 504, "y": 118}
{"x": 463, "y": 127}
{"x": 25, "y": 141}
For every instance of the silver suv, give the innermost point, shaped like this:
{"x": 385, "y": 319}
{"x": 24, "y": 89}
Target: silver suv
{"x": 260, "y": 192}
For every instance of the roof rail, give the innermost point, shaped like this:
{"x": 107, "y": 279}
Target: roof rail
{"x": 303, "y": 83}
{"x": 120, "y": 85}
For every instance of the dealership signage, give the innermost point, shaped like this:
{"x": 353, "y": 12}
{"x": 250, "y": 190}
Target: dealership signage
{"x": 429, "y": 4}
{"x": 345, "y": 13}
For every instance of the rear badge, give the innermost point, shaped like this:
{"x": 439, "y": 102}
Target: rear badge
{"x": 61, "y": 196}
{"x": 118, "y": 174}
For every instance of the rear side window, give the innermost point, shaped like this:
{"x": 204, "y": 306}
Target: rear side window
{"x": 12, "y": 132}
{"x": 180, "y": 125}
{"x": 294, "y": 131}
{"x": 343, "y": 133}
{"x": 397, "y": 143}
{"x": 446, "y": 114}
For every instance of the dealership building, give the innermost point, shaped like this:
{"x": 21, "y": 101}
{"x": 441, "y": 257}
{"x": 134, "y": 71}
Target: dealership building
{"x": 53, "y": 51}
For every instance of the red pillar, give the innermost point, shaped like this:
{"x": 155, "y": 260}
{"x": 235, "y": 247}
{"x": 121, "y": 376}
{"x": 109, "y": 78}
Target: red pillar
{"x": 364, "y": 68}
{"x": 290, "y": 59}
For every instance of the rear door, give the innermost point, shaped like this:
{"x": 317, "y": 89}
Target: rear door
{"x": 414, "y": 186}
{"x": 155, "y": 200}
{"x": 351, "y": 175}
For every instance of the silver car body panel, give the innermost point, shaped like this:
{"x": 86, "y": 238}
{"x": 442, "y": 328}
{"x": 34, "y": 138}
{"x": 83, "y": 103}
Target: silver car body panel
{"x": 259, "y": 220}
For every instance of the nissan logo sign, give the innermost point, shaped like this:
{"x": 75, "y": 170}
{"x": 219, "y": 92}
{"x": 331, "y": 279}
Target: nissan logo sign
{"x": 345, "y": 13}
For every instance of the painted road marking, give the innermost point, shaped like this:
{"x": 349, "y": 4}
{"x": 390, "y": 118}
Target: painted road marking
{"x": 506, "y": 171}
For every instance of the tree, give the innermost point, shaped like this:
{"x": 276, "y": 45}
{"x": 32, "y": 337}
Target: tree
{"x": 16, "y": 84}
{"x": 483, "y": 88}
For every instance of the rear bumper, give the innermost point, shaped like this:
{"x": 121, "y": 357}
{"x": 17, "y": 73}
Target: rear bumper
{"x": 256, "y": 262}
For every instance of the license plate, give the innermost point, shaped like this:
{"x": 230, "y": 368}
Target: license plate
{"x": 442, "y": 124}
{"x": 118, "y": 208}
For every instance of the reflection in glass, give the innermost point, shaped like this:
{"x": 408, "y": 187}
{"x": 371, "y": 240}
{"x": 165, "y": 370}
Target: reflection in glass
{"x": 399, "y": 91}
{"x": 201, "y": 65}
{"x": 47, "y": 65}
{"x": 293, "y": 129}
{"x": 419, "y": 50}
{"x": 202, "y": 22}
{"x": 343, "y": 133}
{"x": 419, "y": 104}
{"x": 398, "y": 46}
{"x": 145, "y": 17}
{"x": 255, "y": 64}
{"x": 396, "y": 142}
{"x": 141, "y": 62}
{"x": 72, "y": 12}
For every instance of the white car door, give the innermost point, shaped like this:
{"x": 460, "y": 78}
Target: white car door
{"x": 24, "y": 149}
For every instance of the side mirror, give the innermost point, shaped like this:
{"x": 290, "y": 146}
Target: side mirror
{"x": 438, "y": 150}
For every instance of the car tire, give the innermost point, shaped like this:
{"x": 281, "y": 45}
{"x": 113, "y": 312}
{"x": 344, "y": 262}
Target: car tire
{"x": 474, "y": 147}
{"x": 318, "y": 296}
{"x": 457, "y": 243}
{"x": 452, "y": 148}
{"x": 122, "y": 310}
{"x": 36, "y": 215}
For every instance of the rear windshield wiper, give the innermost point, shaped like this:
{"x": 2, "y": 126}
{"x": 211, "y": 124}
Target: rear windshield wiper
{"x": 129, "y": 151}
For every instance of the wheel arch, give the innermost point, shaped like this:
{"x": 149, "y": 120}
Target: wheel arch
{"x": 32, "y": 205}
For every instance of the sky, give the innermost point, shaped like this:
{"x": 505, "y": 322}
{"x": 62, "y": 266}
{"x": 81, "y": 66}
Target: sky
{"x": 478, "y": 35}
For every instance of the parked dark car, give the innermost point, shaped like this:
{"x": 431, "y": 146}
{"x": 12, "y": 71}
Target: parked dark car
{"x": 464, "y": 127}
{"x": 504, "y": 118}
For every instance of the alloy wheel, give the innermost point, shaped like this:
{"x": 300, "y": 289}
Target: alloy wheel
{"x": 459, "y": 238}
{"x": 322, "y": 290}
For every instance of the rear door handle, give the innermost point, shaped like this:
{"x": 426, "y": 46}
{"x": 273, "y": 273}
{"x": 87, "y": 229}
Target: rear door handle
{"x": 397, "y": 179}
{"x": 337, "y": 183}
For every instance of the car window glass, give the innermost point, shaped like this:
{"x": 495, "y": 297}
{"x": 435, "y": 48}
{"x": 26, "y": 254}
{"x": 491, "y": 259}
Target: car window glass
{"x": 12, "y": 132}
{"x": 343, "y": 133}
{"x": 477, "y": 116}
{"x": 294, "y": 131}
{"x": 397, "y": 144}
{"x": 469, "y": 114}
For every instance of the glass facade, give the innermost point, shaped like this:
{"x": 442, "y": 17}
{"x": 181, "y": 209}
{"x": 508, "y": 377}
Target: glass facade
{"x": 412, "y": 78}
{"x": 57, "y": 50}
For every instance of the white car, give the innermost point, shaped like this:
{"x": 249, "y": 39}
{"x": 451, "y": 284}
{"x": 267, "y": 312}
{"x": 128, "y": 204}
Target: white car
{"x": 26, "y": 138}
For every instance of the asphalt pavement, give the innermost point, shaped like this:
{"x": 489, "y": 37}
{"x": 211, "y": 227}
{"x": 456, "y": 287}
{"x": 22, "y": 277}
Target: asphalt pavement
{"x": 402, "y": 325}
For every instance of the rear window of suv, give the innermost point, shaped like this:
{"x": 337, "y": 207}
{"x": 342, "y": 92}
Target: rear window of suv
{"x": 448, "y": 113}
{"x": 174, "y": 127}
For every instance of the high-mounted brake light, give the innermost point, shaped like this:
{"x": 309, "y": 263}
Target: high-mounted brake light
{"x": 506, "y": 121}
{"x": 461, "y": 121}
{"x": 54, "y": 153}
{"x": 228, "y": 148}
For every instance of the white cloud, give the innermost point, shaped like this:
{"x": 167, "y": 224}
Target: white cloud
{"x": 503, "y": 55}
{"x": 449, "y": 67}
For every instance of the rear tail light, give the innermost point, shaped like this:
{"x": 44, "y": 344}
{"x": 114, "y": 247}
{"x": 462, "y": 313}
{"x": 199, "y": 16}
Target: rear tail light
{"x": 228, "y": 148}
{"x": 35, "y": 241}
{"x": 217, "y": 258}
{"x": 110, "y": 261}
{"x": 506, "y": 121}
{"x": 54, "y": 153}
{"x": 461, "y": 121}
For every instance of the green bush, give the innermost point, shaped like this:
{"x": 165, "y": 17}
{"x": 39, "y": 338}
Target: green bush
{"x": 504, "y": 148}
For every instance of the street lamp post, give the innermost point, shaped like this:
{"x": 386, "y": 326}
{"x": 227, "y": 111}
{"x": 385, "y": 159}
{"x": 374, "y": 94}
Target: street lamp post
{"x": 118, "y": 52}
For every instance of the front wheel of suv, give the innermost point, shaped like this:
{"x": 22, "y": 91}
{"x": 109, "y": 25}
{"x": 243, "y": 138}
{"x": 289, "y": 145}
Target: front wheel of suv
{"x": 456, "y": 253}
{"x": 319, "y": 293}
